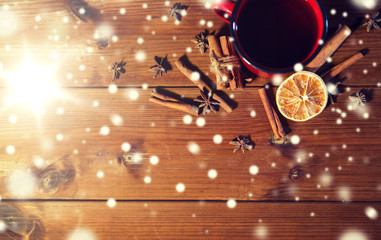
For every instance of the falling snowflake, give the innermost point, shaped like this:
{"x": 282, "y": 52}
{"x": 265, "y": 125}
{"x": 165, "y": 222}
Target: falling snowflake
{"x": 253, "y": 169}
{"x": 371, "y": 213}
{"x": 82, "y": 234}
{"x": 231, "y": 203}
{"x": 154, "y": 160}
{"x": 217, "y": 139}
{"x": 22, "y": 183}
{"x": 212, "y": 173}
{"x": 180, "y": 187}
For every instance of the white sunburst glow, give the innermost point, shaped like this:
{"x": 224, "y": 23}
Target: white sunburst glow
{"x": 32, "y": 84}
{"x": 8, "y": 22}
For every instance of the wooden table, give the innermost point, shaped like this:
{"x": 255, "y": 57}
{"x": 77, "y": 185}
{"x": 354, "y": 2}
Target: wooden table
{"x": 59, "y": 160}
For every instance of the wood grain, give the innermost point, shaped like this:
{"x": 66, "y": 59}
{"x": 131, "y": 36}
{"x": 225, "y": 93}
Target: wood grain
{"x": 72, "y": 48}
{"x": 72, "y": 146}
{"x": 336, "y": 158}
{"x": 202, "y": 220}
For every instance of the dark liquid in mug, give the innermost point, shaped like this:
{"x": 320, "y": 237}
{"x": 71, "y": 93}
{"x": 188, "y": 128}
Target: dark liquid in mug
{"x": 277, "y": 33}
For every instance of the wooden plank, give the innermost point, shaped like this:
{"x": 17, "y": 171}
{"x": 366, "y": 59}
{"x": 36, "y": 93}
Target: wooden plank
{"x": 201, "y": 220}
{"x": 339, "y": 161}
{"x": 59, "y": 38}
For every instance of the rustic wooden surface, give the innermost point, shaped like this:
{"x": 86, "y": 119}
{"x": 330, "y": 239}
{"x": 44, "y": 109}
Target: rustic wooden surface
{"x": 339, "y": 151}
{"x": 202, "y": 220}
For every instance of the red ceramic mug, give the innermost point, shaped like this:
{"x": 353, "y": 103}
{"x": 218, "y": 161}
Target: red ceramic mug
{"x": 272, "y": 36}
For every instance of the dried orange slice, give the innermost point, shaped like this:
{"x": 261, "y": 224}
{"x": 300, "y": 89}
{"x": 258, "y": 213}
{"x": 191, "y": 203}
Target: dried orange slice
{"x": 302, "y": 96}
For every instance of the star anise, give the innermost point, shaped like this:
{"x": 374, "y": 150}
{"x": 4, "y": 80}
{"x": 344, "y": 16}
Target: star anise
{"x": 201, "y": 41}
{"x": 358, "y": 99}
{"x": 118, "y": 69}
{"x": 159, "y": 68}
{"x": 373, "y": 22}
{"x": 206, "y": 102}
{"x": 243, "y": 143}
{"x": 295, "y": 173}
{"x": 125, "y": 159}
{"x": 177, "y": 10}
{"x": 102, "y": 42}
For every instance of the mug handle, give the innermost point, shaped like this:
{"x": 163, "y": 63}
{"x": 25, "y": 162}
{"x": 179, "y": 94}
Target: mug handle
{"x": 223, "y": 9}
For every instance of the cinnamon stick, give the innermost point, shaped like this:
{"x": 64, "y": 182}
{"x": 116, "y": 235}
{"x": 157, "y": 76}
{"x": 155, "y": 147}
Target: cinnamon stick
{"x": 279, "y": 125}
{"x": 273, "y": 118}
{"x": 202, "y": 84}
{"x": 162, "y": 96}
{"x": 214, "y": 45}
{"x": 188, "y": 108}
{"x": 333, "y": 72}
{"x": 329, "y": 48}
{"x": 228, "y": 50}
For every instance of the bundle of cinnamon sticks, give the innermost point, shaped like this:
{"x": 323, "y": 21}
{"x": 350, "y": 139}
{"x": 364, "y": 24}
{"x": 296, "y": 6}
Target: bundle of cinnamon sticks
{"x": 225, "y": 63}
{"x": 178, "y": 103}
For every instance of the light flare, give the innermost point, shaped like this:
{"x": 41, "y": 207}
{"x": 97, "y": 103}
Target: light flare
{"x": 32, "y": 84}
